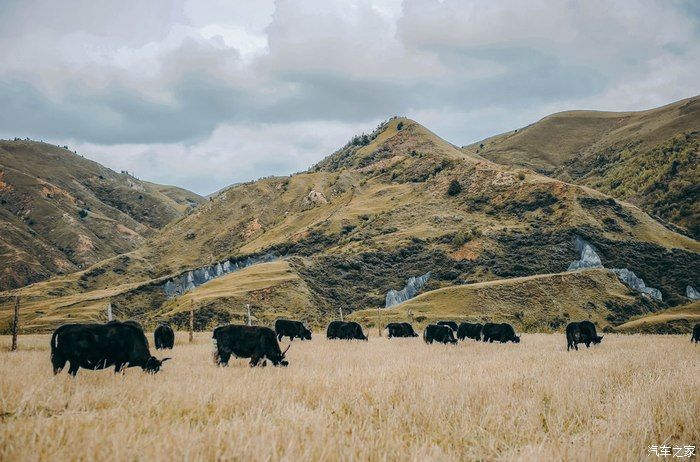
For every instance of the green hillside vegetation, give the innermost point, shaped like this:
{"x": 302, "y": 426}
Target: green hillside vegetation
{"x": 649, "y": 158}
{"x": 662, "y": 180}
{"x": 60, "y": 212}
{"x": 361, "y": 222}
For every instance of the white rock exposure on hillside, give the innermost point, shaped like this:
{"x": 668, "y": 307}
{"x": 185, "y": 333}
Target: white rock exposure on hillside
{"x": 413, "y": 286}
{"x": 589, "y": 259}
{"x": 189, "y": 280}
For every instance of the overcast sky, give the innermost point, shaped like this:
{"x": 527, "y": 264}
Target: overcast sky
{"x": 203, "y": 94}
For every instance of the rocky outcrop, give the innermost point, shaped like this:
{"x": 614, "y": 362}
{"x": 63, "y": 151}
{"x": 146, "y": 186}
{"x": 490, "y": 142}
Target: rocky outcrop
{"x": 189, "y": 280}
{"x": 589, "y": 259}
{"x": 631, "y": 279}
{"x": 691, "y": 293}
{"x": 315, "y": 197}
{"x": 413, "y": 286}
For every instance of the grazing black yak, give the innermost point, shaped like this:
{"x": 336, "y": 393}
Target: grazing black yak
{"x": 503, "y": 333}
{"x": 254, "y": 342}
{"x": 469, "y": 330}
{"x": 345, "y": 331}
{"x": 400, "y": 329}
{"x": 438, "y": 333}
{"x": 164, "y": 337}
{"x": 99, "y": 346}
{"x": 291, "y": 329}
{"x": 581, "y": 332}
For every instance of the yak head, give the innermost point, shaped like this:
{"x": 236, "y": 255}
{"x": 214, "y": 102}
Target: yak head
{"x": 597, "y": 339}
{"x": 153, "y": 364}
{"x": 307, "y": 333}
{"x": 280, "y": 361}
{"x": 516, "y": 339}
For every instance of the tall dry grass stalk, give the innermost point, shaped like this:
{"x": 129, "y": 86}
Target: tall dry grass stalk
{"x": 395, "y": 399}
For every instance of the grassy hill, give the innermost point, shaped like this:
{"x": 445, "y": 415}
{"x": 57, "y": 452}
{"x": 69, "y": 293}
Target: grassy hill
{"x": 676, "y": 320}
{"x": 541, "y": 303}
{"x": 60, "y": 212}
{"x": 388, "y": 205}
{"x": 648, "y": 158}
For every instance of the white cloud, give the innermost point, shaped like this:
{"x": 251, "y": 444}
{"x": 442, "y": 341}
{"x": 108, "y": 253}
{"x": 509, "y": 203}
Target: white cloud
{"x": 232, "y": 154}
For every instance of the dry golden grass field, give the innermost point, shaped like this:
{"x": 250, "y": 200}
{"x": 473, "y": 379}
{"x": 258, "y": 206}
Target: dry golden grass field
{"x": 396, "y": 399}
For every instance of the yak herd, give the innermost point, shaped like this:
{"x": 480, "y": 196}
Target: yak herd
{"x": 124, "y": 344}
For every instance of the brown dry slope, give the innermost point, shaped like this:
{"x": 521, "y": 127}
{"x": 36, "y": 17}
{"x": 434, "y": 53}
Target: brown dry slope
{"x": 369, "y": 216}
{"x": 541, "y": 303}
{"x": 649, "y": 158}
{"x": 680, "y": 319}
{"x": 60, "y": 212}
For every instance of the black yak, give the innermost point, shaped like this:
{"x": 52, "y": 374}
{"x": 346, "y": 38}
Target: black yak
{"x": 99, "y": 346}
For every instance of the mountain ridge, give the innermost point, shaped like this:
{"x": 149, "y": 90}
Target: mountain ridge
{"x": 649, "y": 158}
{"x": 61, "y": 212}
{"x": 364, "y": 220}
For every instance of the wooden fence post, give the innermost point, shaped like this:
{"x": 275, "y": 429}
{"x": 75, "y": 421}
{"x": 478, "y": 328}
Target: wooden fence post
{"x": 109, "y": 311}
{"x": 379, "y": 321}
{"x": 191, "y": 321}
{"x": 15, "y": 325}
{"x": 247, "y": 307}
{"x": 341, "y": 313}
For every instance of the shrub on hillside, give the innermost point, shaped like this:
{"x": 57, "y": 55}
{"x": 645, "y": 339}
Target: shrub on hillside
{"x": 454, "y": 188}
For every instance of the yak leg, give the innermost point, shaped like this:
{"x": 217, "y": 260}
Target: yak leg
{"x": 222, "y": 358}
{"x": 118, "y": 367}
{"x": 279, "y": 337}
{"x": 254, "y": 360}
{"x": 58, "y": 364}
{"x": 73, "y": 368}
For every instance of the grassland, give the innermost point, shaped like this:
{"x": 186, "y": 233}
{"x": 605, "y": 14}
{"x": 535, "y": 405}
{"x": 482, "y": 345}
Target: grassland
{"x": 379, "y": 400}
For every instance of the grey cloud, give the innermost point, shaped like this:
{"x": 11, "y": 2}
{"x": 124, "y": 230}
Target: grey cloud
{"x": 160, "y": 83}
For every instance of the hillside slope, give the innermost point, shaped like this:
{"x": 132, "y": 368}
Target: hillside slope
{"x": 648, "y": 158}
{"x": 676, "y": 320}
{"x": 396, "y": 203}
{"x": 541, "y": 303}
{"x": 60, "y": 212}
